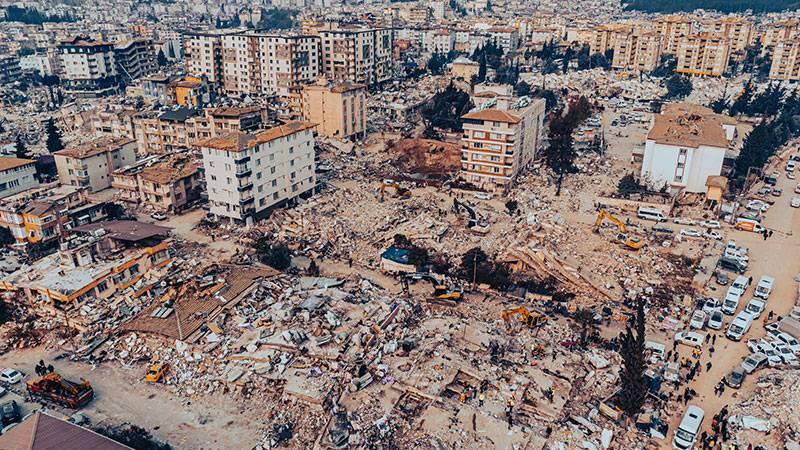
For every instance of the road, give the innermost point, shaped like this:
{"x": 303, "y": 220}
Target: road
{"x": 778, "y": 257}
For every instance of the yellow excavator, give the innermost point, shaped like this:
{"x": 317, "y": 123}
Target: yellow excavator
{"x": 441, "y": 291}
{"x": 525, "y": 316}
{"x": 631, "y": 242}
{"x": 400, "y": 191}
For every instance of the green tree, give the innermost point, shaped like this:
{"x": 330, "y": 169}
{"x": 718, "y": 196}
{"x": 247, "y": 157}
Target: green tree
{"x": 512, "y": 206}
{"x": 560, "y": 154}
{"x": 678, "y": 86}
{"x": 742, "y": 102}
{"x": 6, "y": 238}
{"x": 54, "y": 142}
{"x": 161, "y": 58}
{"x": 633, "y": 387}
{"x": 21, "y": 149}
{"x": 719, "y": 105}
{"x": 445, "y": 109}
{"x": 628, "y": 184}
{"x": 436, "y": 64}
{"x": 133, "y": 436}
{"x": 523, "y": 89}
{"x": 599, "y": 60}
{"x": 666, "y": 66}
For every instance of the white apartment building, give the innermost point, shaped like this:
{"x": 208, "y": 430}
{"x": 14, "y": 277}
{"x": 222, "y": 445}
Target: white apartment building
{"x": 497, "y": 144}
{"x": 268, "y": 64}
{"x": 89, "y": 67}
{"x": 248, "y": 175}
{"x": 360, "y": 55}
{"x": 443, "y": 42}
{"x": 685, "y": 146}
{"x": 506, "y": 38}
{"x": 17, "y": 175}
{"x": 93, "y": 163}
{"x": 202, "y": 52}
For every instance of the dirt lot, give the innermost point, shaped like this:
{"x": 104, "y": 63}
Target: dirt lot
{"x": 427, "y": 156}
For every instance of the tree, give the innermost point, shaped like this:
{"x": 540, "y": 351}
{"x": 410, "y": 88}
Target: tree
{"x": 666, "y": 66}
{"x": 634, "y": 388}
{"x": 719, "y": 105}
{"x": 445, "y": 109}
{"x": 599, "y": 60}
{"x": 21, "y": 150}
{"x": 478, "y": 267}
{"x": 628, "y": 184}
{"x": 114, "y": 211}
{"x": 768, "y": 102}
{"x": 133, "y": 436}
{"x": 161, "y": 59}
{"x": 742, "y": 102}
{"x": 523, "y": 89}
{"x": 278, "y": 256}
{"x": 6, "y": 238}
{"x": 512, "y": 206}
{"x": 54, "y": 142}
{"x": 678, "y": 86}
{"x": 436, "y": 64}
{"x": 584, "y": 318}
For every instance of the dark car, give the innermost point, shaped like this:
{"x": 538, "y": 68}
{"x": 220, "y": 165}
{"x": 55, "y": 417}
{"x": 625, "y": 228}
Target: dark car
{"x": 734, "y": 265}
{"x": 736, "y": 377}
{"x": 9, "y": 412}
{"x": 722, "y": 278}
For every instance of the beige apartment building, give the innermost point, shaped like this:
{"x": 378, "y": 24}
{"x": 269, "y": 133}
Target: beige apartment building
{"x": 673, "y": 29}
{"x": 704, "y": 54}
{"x": 604, "y": 37}
{"x": 498, "y": 144}
{"x": 91, "y": 164}
{"x": 786, "y": 61}
{"x": 359, "y": 55}
{"x": 268, "y": 64}
{"x": 166, "y": 182}
{"x": 637, "y": 51}
{"x": 338, "y": 109}
{"x": 202, "y": 51}
{"x": 738, "y": 30}
{"x": 778, "y": 32}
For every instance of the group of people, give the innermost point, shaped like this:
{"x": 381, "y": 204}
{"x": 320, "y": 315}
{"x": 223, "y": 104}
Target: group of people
{"x": 42, "y": 369}
{"x": 719, "y": 431}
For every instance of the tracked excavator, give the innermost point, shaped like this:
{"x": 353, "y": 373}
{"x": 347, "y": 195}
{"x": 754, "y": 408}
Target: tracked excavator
{"x": 472, "y": 223}
{"x": 441, "y": 291}
{"x": 524, "y": 316}
{"x": 399, "y": 190}
{"x": 632, "y": 242}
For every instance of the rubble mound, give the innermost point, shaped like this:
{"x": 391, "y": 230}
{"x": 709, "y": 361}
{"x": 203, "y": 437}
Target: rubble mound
{"x": 427, "y": 156}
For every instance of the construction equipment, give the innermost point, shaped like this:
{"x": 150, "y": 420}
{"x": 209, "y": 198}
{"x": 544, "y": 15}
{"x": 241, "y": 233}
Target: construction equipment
{"x": 55, "y": 388}
{"x": 524, "y": 316}
{"x": 622, "y": 237}
{"x": 156, "y": 372}
{"x": 441, "y": 291}
{"x": 473, "y": 224}
{"x": 400, "y": 191}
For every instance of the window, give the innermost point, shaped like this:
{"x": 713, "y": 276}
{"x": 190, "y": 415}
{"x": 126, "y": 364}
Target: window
{"x": 271, "y": 170}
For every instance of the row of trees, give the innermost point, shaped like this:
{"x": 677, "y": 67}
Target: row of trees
{"x": 444, "y": 110}
{"x": 560, "y": 154}
{"x": 33, "y": 16}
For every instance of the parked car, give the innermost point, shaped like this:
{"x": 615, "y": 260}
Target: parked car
{"x": 713, "y": 234}
{"x": 766, "y": 190}
{"x": 731, "y": 301}
{"x": 734, "y": 265}
{"x": 773, "y": 357}
{"x": 755, "y": 307}
{"x": 722, "y": 277}
{"x": 710, "y": 224}
{"x": 757, "y": 205}
{"x": 690, "y": 338}
{"x": 789, "y": 340}
{"x": 715, "y": 320}
{"x": 777, "y": 192}
{"x": 9, "y": 412}
{"x": 754, "y": 345}
{"x": 3, "y": 391}
{"x": 795, "y": 203}
{"x": 797, "y": 189}
{"x": 711, "y": 304}
{"x": 753, "y": 362}
{"x": 698, "y": 320}
{"x": 791, "y": 175}
{"x": 764, "y": 287}
{"x": 158, "y": 216}
{"x": 682, "y": 221}
{"x": 736, "y": 377}
{"x": 691, "y": 232}
{"x": 11, "y": 376}
{"x": 483, "y": 195}
{"x": 787, "y": 355}
{"x": 689, "y": 428}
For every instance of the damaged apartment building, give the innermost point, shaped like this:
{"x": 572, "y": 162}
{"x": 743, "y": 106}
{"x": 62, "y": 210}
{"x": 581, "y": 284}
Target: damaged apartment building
{"x": 165, "y": 182}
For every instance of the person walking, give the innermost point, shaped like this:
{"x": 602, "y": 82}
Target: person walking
{"x": 714, "y": 340}
{"x": 481, "y": 399}
{"x": 708, "y": 366}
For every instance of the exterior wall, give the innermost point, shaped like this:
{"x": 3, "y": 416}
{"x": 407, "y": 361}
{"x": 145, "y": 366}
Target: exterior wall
{"x": 786, "y": 61}
{"x": 673, "y": 29}
{"x": 739, "y": 32}
{"x": 244, "y": 185}
{"x": 18, "y": 179}
{"x": 704, "y": 54}
{"x": 338, "y": 114}
{"x": 94, "y": 172}
{"x": 637, "y": 52}
{"x": 464, "y": 71}
{"x": 361, "y": 56}
{"x": 680, "y": 167}
{"x": 203, "y": 55}
{"x": 89, "y": 68}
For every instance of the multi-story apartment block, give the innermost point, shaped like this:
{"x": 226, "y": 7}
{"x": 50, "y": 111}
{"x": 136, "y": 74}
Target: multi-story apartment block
{"x": 506, "y": 38}
{"x": 16, "y": 175}
{"x": 247, "y": 175}
{"x": 41, "y": 214}
{"x": 268, "y": 64}
{"x": 338, "y": 109}
{"x": 738, "y": 30}
{"x": 202, "y": 52}
{"x": 89, "y": 67}
{"x": 604, "y": 37}
{"x": 443, "y": 42}
{"x": 92, "y": 164}
{"x": 778, "y": 32}
{"x": 116, "y": 124}
{"x": 136, "y": 58}
{"x": 638, "y": 51}
{"x": 498, "y": 144}
{"x": 10, "y": 69}
{"x": 359, "y": 55}
{"x": 786, "y": 61}
{"x": 179, "y": 128}
{"x": 673, "y": 29}
{"x": 168, "y": 182}
{"x": 705, "y": 54}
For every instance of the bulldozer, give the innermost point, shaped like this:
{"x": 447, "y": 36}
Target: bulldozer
{"x": 622, "y": 237}
{"x": 399, "y": 190}
{"x": 55, "y": 388}
{"x": 524, "y": 316}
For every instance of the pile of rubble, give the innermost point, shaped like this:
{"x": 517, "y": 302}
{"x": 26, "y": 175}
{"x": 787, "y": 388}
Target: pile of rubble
{"x": 769, "y": 415}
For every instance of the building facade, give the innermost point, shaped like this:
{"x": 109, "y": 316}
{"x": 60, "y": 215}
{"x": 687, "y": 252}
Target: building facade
{"x": 359, "y": 55}
{"x": 497, "y": 145}
{"x": 92, "y": 164}
{"x": 704, "y": 54}
{"x": 249, "y": 174}
{"x": 338, "y": 109}
{"x": 786, "y": 61}
{"x": 89, "y": 67}
{"x": 16, "y": 175}
{"x": 136, "y": 58}
{"x": 202, "y": 52}
{"x": 638, "y": 51}
{"x": 168, "y": 183}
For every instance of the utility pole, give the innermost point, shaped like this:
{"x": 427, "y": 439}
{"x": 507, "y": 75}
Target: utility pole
{"x": 474, "y": 269}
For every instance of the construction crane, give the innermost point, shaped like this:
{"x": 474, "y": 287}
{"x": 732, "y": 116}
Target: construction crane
{"x": 622, "y": 237}
{"x": 441, "y": 291}
{"x": 400, "y": 191}
{"x": 524, "y": 316}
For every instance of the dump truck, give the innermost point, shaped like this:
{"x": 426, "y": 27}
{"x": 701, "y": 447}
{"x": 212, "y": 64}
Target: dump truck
{"x": 59, "y": 390}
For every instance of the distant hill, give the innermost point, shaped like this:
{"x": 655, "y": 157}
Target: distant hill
{"x": 724, "y": 6}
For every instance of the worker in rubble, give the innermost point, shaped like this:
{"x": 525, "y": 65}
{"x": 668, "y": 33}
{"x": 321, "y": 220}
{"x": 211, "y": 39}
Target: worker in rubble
{"x": 463, "y": 396}
{"x": 481, "y": 399}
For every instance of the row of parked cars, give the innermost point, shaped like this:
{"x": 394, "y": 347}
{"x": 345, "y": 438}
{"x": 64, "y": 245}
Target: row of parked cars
{"x": 10, "y": 414}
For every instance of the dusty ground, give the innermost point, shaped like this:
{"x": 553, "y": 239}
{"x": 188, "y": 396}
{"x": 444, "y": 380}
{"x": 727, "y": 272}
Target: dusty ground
{"x": 427, "y": 156}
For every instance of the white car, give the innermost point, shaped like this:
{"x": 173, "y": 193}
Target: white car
{"x": 788, "y": 356}
{"x": 11, "y": 376}
{"x": 698, "y": 320}
{"x": 690, "y": 338}
{"x": 691, "y": 232}
{"x": 483, "y": 196}
{"x": 710, "y": 224}
{"x": 715, "y": 320}
{"x": 159, "y": 216}
{"x": 711, "y": 304}
{"x": 755, "y": 307}
{"x": 789, "y": 341}
{"x": 682, "y": 221}
{"x": 754, "y": 345}
{"x": 713, "y": 234}
{"x": 791, "y": 175}
{"x": 773, "y": 357}
{"x": 795, "y": 203}
{"x": 757, "y": 205}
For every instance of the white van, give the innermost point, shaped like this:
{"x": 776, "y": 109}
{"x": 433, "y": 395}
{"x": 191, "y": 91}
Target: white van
{"x": 658, "y": 351}
{"x": 790, "y": 165}
{"x": 687, "y": 431}
{"x": 651, "y": 214}
{"x": 764, "y": 287}
{"x": 731, "y": 301}
{"x": 740, "y": 326}
{"x": 740, "y": 283}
